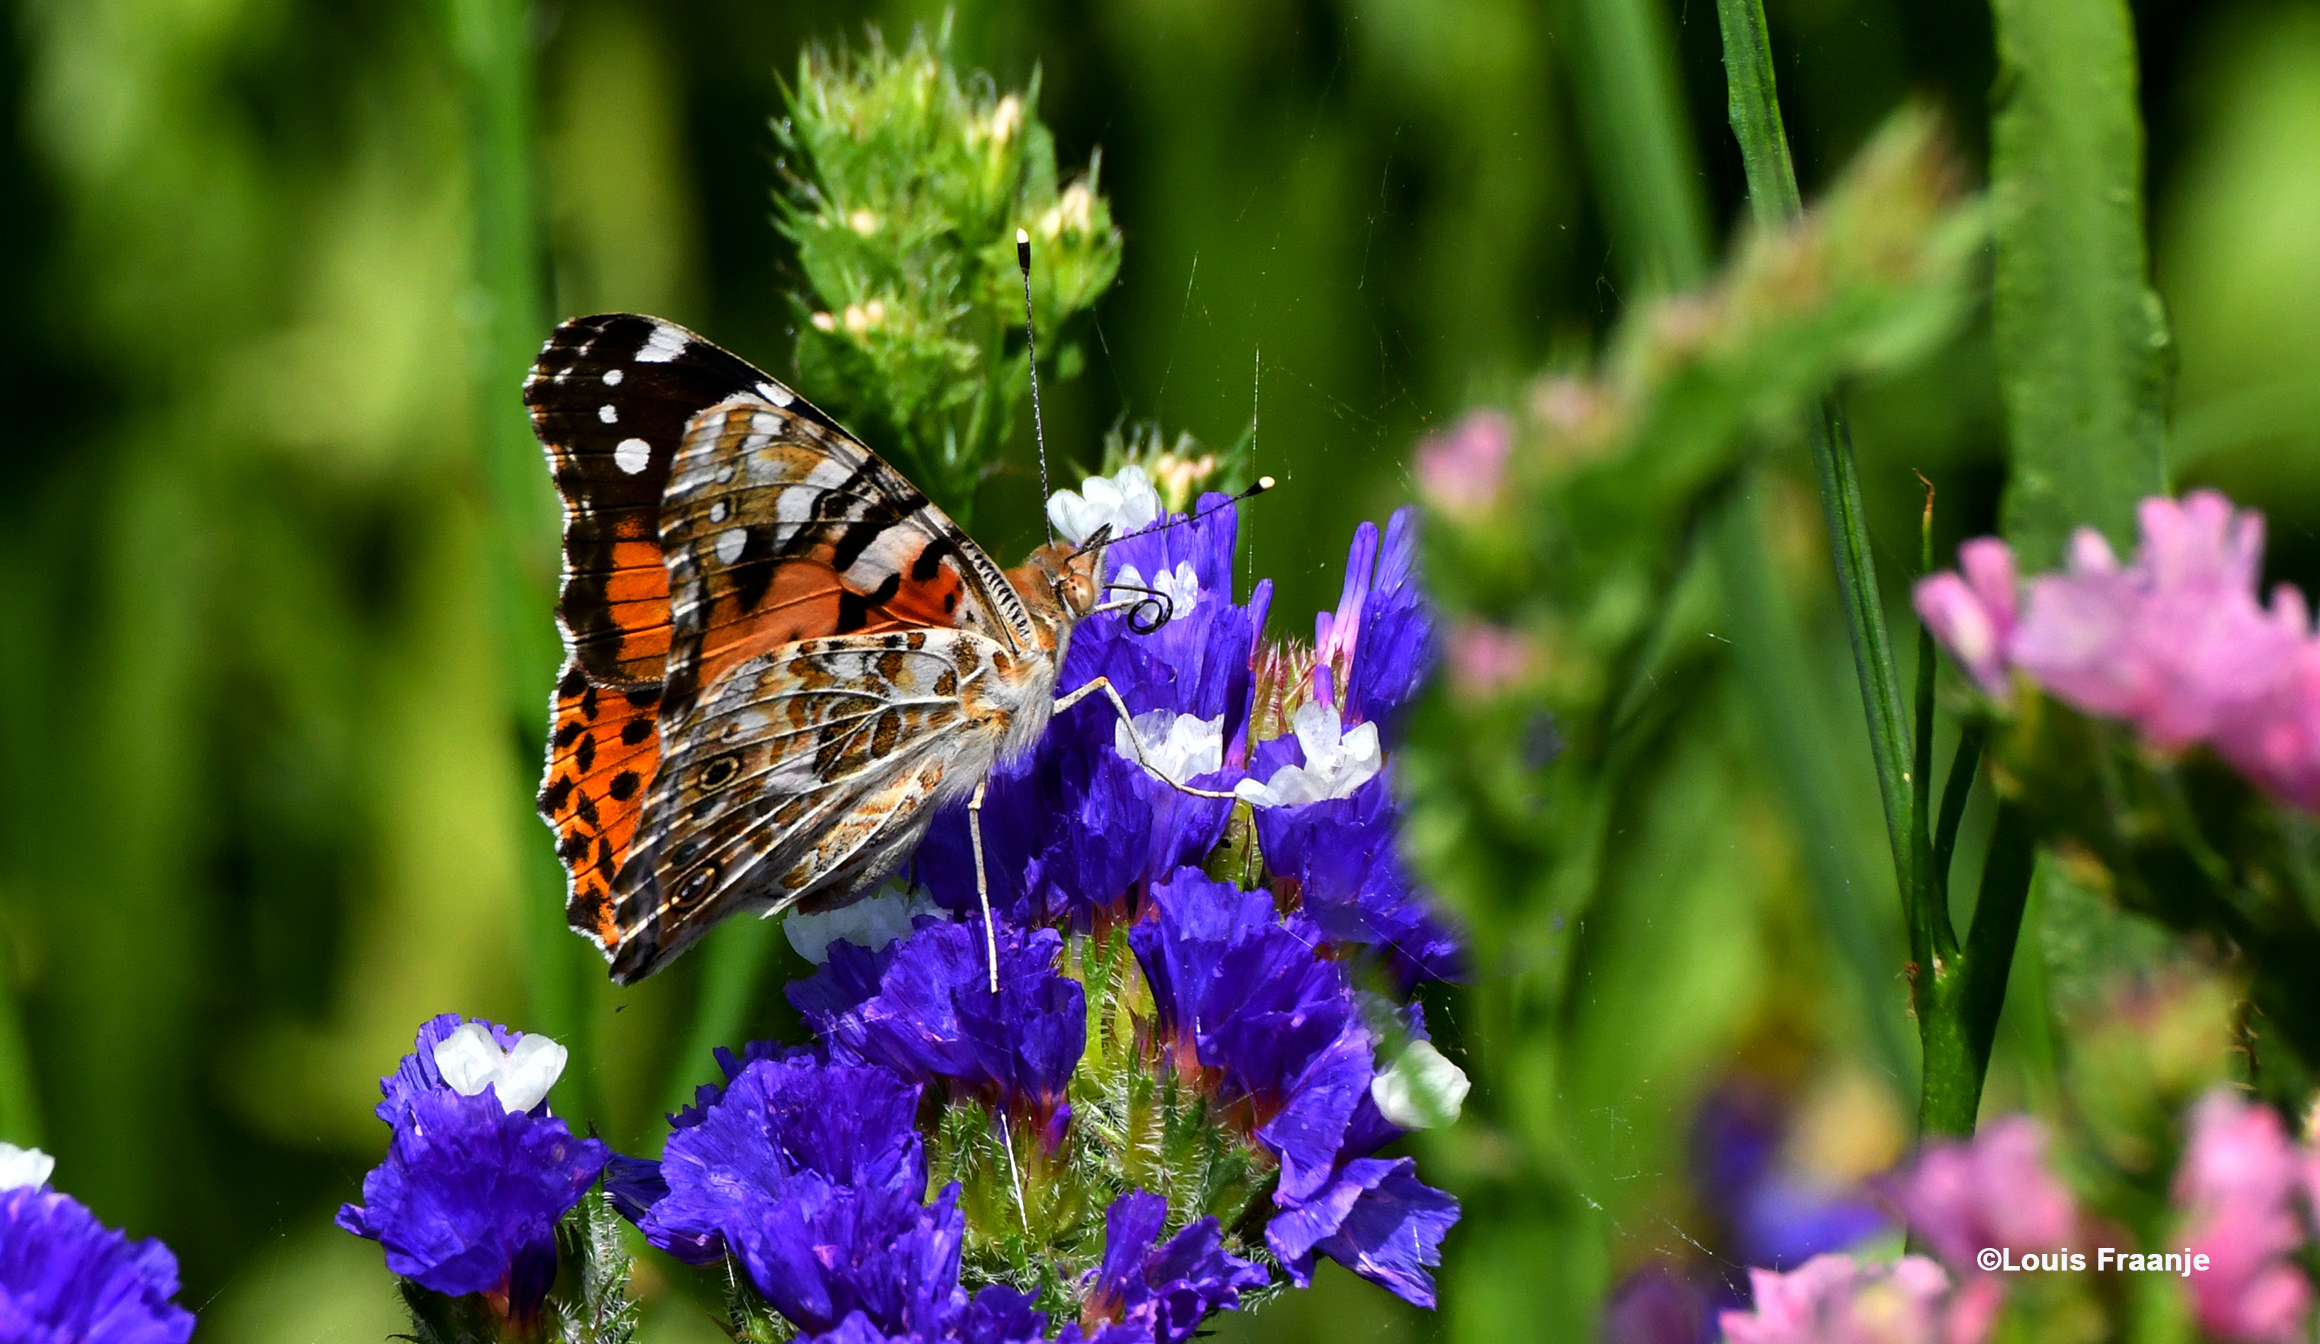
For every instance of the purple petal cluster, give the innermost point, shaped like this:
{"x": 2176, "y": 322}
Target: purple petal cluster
{"x": 1163, "y": 1289}
{"x": 923, "y": 1007}
{"x": 1251, "y": 1009}
{"x": 2177, "y": 642}
{"x": 813, "y": 1179}
{"x": 1379, "y": 646}
{"x": 66, "y": 1278}
{"x": 1072, "y": 828}
{"x": 470, "y": 1192}
{"x": 1778, "y": 1217}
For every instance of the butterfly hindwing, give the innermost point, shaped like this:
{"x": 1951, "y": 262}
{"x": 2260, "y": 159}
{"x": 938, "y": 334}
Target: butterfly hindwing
{"x": 802, "y": 777}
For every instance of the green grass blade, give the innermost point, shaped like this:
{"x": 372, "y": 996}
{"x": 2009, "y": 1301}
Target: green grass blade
{"x": 1631, "y": 107}
{"x": 1772, "y": 191}
{"x": 2081, "y": 337}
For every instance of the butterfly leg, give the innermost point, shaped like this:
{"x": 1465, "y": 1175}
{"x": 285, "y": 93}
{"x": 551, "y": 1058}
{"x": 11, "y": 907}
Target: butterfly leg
{"x": 1104, "y": 684}
{"x": 983, "y": 886}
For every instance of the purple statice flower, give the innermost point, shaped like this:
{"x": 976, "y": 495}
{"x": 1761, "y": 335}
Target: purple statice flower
{"x": 1373, "y": 653}
{"x": 923, "y": 1007}
{"x": 2176, "y": 643}
{"x": 1165, "y": 1288}
{"x": 477, "y": 1174}
{"x": 1778, "y": 1217}
{"x": 1249, "y": 1008}
{"x": 1993, "y": 1191}
{"x": 1461, "y": 472}
{"x": 1342, "y": 853}
{"x": 812, "y": 1178}
{"x": 1830, "y": 1299}
{"x": 1655, "y": 1305}
{"x": 1072, "y": 829}
{"x": 66, "y": 1278}
{"x": 2238, "y": 1187}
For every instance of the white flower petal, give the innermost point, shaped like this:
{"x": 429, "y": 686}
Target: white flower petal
{"x": 1180, "y": 747}
{"x": 1127, "y": 501}
{"x": 1421, "y": 1089}
{"x": 529, "y": 1071}
{"x": 24, "y": 1168}
{"x": 872, "y": 922}
{"x": 468, "y": 1058}
{"x": 470, "y": 1061}
{"x": 1337, "y": 762}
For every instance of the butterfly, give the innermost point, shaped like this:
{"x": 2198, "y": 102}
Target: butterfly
{"x": 781, "y": 657}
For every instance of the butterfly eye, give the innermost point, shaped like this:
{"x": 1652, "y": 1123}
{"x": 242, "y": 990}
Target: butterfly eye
{"x": 718, "y": 773}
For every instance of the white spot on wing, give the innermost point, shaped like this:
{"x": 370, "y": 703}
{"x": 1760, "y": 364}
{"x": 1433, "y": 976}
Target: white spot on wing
{"x": 665, "y": 344}
{"x": 717, "y": 511}
{"x": 612, "y": 377}
{"x": 606, "y": 413}
{"x": 776, "y": 393}
{"x": 729, "y": 544}
{"x": 632, "y": 455}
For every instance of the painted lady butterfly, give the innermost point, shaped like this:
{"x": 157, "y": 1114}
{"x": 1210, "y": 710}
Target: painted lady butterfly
{"x": 780, "y": 656}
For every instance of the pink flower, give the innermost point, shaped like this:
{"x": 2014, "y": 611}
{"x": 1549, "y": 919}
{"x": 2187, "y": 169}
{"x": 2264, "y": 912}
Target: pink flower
{"x": 2176, "y": 643}
{"x": 1461, "y": 471}
{"x": 1973, "y": 617}
{"x": 2237, "y": 1186}
{"x": 1994, "y": 1191}
{"x": 1831, "y": 1300}
{"x": 1485, "y": 659}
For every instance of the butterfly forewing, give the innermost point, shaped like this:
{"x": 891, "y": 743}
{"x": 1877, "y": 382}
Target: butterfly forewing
{"x": 610, "y": 397}
{"x": 778, "y": 528}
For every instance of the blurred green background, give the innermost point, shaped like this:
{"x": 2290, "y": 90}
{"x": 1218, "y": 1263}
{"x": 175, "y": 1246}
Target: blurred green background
{"x": 261, "y": 803}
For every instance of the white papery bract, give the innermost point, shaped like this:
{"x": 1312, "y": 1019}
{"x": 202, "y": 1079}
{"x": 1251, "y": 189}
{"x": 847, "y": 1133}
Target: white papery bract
{"x": 1127, "y": 501}
{"x": 1337, "y": 761}
{"x": 1179, "y": 746}
{"x": 470, "y": 1060}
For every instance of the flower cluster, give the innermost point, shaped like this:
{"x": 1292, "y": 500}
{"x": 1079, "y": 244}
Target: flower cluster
{"x": 64, "y": 1276}
{"x": 1832, "y": 1299}
{"x": 477, "y": 1173}
{"x": 2178, "y": 642}
{"x": 2243, "y": 1189}
{"x": 1183, "y": 1091}
{"x": 2245, "y": 1200}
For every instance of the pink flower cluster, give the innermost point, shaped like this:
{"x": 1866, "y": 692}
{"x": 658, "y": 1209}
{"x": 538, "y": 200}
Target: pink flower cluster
{"x": 1831, "y": 1299}
{"x": 2239, "y": 1187}
{"x": 1994, "y": 1191}
{"x": 2176, "y": 643}
{"x": 1461, "y": 471}
{"x": 2243, "y": 1192}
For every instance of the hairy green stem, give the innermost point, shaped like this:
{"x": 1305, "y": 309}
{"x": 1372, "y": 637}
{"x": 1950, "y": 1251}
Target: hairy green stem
{"x": 492, "y": 45}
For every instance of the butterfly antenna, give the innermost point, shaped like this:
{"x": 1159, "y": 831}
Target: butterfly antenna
{"x": 1263, "y": 484}
{"x": 1031, "y": 356}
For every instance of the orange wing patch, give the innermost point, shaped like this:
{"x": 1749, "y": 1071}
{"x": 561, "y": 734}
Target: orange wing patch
{"x": 602, "y": 755}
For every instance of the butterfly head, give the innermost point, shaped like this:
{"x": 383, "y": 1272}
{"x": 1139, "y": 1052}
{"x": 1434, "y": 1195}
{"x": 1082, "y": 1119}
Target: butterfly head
{"x": 1062, "y": 582}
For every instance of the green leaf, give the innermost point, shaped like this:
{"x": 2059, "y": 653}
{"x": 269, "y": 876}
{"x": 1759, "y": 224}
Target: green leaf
{"x": 2082, "y": 340}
